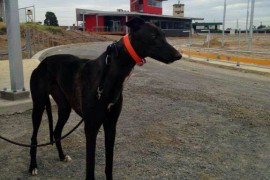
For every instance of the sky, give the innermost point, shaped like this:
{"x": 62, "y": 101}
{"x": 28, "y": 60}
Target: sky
{"x": 210, "y": 10}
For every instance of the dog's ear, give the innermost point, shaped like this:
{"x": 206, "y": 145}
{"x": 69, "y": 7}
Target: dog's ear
{"x": 135, "y": 23}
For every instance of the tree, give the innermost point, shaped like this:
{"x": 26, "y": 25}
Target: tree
{"x": 51, "y": 19}
{"x": 261, "y": 26}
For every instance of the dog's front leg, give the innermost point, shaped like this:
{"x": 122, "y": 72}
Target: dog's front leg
{"x": 91, "y": 128}
{"x": 110, "y": 132}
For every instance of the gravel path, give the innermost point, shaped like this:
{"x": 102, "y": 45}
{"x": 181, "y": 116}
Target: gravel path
{"x": 180, "y": 121}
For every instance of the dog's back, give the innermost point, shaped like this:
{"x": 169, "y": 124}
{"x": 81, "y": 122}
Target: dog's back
{"x": 60, "y": 76}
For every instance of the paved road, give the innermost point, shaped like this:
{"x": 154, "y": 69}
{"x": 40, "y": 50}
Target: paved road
{"x": 212, "y": 80}
{"x": 180, "y": 121}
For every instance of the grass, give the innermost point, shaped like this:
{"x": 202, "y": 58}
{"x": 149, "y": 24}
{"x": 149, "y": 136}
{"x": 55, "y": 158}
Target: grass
{"x": 3, "y": 29}
{"x": 39, "y": 27}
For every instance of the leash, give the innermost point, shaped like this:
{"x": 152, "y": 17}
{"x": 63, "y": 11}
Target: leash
{"x": 110, "y": 49}
{"x": 45, "y": 144}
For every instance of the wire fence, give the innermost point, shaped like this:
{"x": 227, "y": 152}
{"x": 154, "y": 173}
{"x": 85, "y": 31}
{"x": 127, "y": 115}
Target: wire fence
{"x": 235, "y": 49}
{"x": 34, "y": 41}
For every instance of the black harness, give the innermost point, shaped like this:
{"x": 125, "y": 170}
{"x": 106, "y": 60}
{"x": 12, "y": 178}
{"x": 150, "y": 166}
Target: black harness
{"x": 112, "y": 48}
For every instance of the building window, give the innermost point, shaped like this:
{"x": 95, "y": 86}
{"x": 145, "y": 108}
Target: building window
{"x": 155, "y": 3}
{"x": 174, "y": 25}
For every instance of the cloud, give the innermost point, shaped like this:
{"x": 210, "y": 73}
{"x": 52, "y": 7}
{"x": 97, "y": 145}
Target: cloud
{"x": 210, "y": 10}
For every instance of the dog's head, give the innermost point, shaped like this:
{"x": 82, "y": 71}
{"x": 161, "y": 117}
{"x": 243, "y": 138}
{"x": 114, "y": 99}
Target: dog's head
{"x": 149, "y": 41}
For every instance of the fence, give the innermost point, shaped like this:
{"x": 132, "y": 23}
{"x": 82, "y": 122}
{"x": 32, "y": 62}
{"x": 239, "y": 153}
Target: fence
{"x": 235, "y": 49}
{"x": 111, "y": 29}
{"x": 34, "y": 41}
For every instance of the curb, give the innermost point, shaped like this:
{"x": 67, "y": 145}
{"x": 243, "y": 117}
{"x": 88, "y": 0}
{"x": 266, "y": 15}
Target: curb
{"x": 231, "y": 66}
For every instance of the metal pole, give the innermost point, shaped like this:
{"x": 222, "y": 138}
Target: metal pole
{"x": 38, "y": 41}
{"x": 251, "y": 25}
{"x": 247, "y": 20}
{"x": 43, "y": 43}
{"x": 126, "y": 26}
{"x": 25, "y": 16}
{"x": 189, "y": 47}
{"x": 239, "y": 33}
{"x": 209, "y": 39}
{"x": 223, "y": 29}
{"x": 28, "y": 42}
{"x": 83, "y": 23}
{"x": 14, "y": 45}
{"x": 34, "y": 41}
{"x": 34, "y": 13}
{"x": 97, "y": 23}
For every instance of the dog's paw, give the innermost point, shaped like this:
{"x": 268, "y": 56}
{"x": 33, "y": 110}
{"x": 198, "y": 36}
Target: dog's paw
{"x": 34, "y": 172}
{"x": 67, "y": 158}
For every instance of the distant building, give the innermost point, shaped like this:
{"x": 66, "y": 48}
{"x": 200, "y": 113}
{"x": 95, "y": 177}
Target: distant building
{"x": 113, "y": 22}
{"x": 264, "y": 30}
{"x": 146, "y": 6}
{"x": 212, "y": 26}
{"x": 179, "y": 10}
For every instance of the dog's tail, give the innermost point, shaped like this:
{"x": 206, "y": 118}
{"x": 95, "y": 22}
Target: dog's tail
{"x": 50, "y": 117}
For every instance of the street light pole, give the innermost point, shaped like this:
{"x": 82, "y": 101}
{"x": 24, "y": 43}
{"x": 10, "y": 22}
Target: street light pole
{"x": 251, "y": 25}
{"x": 189, "y": 41}
{"x": 17, "y": 90}
{"x": 247, "y": 20}
{"x": 224, "y": 15}
{"x": 14, "y": 45}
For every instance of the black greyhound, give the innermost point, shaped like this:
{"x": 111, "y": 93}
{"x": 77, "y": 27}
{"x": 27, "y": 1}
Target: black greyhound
{"x": 93, "y": 89}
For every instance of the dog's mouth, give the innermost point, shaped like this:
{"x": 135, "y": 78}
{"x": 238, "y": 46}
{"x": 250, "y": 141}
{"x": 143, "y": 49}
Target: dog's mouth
{"x": 169, "y": 59}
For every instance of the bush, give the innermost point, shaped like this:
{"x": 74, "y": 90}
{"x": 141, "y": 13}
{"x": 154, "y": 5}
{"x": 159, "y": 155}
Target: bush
{"x": 53, "y": 29}
{"x": 3, "y": 29}
{"x": 38, "y": 26}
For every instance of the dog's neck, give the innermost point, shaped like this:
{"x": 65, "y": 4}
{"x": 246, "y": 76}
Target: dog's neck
{"x": 116, "y": 64}
{"x": 131, "y": 51}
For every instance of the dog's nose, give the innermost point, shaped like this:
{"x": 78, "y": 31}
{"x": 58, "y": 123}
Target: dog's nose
{"x": 177, "y": 55}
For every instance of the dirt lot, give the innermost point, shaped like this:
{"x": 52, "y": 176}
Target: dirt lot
{"x": 179, "y": 121}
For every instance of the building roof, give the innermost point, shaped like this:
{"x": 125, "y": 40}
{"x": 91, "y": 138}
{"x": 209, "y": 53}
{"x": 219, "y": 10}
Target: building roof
{"x": 80, "y": 12}
{"x": 207, "y": 23}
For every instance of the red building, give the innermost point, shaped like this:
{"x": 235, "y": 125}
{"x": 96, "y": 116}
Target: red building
{"x": 146, "y": 6}
{"x": 113, "y": 22}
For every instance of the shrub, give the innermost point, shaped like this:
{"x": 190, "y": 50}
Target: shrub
{"x": 39, "y": 27}
{"x": 3, "y": 29}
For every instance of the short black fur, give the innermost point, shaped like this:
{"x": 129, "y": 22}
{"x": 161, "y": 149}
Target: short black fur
{"x": 79, "y": 84}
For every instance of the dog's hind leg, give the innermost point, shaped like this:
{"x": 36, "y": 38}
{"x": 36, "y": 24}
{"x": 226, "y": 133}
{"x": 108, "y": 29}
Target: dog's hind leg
{"x": 64, "y": 110}
{"x": 39, "y": 92}
{"x": 38, "y": 108}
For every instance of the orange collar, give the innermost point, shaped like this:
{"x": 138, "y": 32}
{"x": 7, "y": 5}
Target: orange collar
{"x": 132, "y": 52}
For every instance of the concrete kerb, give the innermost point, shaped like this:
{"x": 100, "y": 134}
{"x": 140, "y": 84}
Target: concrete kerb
{"x": 43, "y": 53}
{"x": 228, "y": 65}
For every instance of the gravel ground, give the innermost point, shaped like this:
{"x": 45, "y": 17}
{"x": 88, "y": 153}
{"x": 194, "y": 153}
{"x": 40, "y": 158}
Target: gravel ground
{"x": 180, "y": 121}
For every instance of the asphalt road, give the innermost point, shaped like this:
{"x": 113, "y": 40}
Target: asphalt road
{"x": 180, "y": 121}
